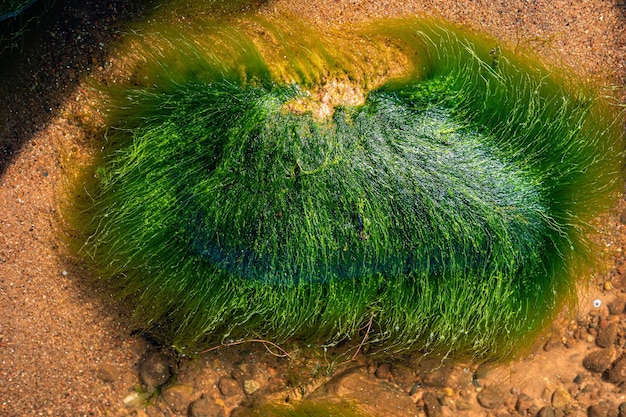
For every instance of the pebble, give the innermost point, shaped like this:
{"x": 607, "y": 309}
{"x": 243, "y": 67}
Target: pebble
{"x": 384, "y": 371}
{"x": 229, "y": 387}
{"x": 250, "y": 386}
{"x": 438, "y": 378}
{"x": 108, "y": 373}
{"x": 205, "y": 408}
{"x": 136, "y": 399}
{"x": 546, "y": 412}
{"x": 524, "y": 402}
{"x": 607, "y": 335}
{"x": 599, "y": 360}
{"x": 560, "y": 398}
{"x": 155, "y": 369}
{"x": 178, "y": 397}
{"x": 431, "y": 405}
{"x": 621, "y": 410}
{"x": 601, "y": 411}
{"x": 617, "y": 371}
{"x": 617, "y": 306}
{"x": 491, "y": 397}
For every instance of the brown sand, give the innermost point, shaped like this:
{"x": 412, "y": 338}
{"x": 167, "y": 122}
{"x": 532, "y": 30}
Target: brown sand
{"x": 59, "y": 335}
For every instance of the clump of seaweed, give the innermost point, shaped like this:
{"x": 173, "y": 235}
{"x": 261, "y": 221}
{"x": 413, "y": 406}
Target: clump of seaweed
{"x": 262, "y": 179}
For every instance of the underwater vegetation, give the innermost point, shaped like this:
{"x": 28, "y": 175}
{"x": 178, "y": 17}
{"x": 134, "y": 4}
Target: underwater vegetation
{"x": 262, "y": 179}
{"x": 12, "y": 8}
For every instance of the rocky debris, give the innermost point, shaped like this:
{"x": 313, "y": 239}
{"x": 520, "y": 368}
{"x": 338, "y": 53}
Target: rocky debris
{"x": 601, "y": 411}
{"x": 546, "y": 412}
{"x": 438, "y": 378}
{"x": 155, "y": 369}
{"x": 599, "y": 360}
{"x": 491, "y": 397}
{"x": 617, "y": 306}
{"x": 107, "y": 373}
{"x": 375, "y": 397}
{"x": 523, "y": 404}
{"x": 250, "y": 386}
{"x": 560, "y": 398}
{"x": 383, "y": 371}
{"x": 229, "y": 387}
{"x": 607, "y": 335}
{"x": 617, "y": 372}
{"x": 205, "y": 408}
{"x": 178, "y": 397}
{"x": 431, "y": 405}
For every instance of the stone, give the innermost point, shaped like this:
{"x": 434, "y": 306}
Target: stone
{"x": 601, "y": 411}
{"x": 250, "y": 386}
{"x": 383, "y": 371}
{"x": 404, "y": 376}
{"x": 155, "y": 369}
{"x": 431, "y": 405}
{"x": 617, "y": 371}
{"x": 546, "y": 412}
{"x": 617, "y": 306}
{"x": 491, "y": 397}
{"x": 438, "y": 378}
{"x": 607, "y": 336}
{"x": 371, "y": 395}
{"x": 523, "y": 404}
{"x": 560, "y": 398}
{"x": 463, "y": 405}
{"x": 205, "y": 408}
{"x": 621, "y": 410}
{"x": 178, "y": 397}
{"x": 108, "y": 373}
{"x": 599, "y": 360}
{"x": 229, "y": 387}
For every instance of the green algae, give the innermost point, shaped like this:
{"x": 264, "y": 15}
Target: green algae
{"x": 263, "y": 179}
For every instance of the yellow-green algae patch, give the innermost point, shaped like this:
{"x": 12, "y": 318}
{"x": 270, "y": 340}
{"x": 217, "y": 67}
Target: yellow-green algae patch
{"x": 263, "y": 179}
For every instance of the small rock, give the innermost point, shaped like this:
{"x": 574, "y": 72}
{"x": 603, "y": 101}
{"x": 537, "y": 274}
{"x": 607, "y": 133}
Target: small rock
{"x": 178, "y": 397}
{"x": 229, "y": 387}
{"x": 617, "y": 306}
{"x": 546, "y": 412}
{"x": 622, "y": 217}
{"x": 154, "y": 369}
{"x": 431, "y": 405}
{"x": 560, "y": 398}
{"x": 523, "y": 404}
{"x": 438, "y": 378}
{"x": 463, "y": 405}
{"x": 491, "y": 397}
{"x": 607, "y": 336}
{"x": 599, "y": 360}
{"x": 250, "y": 386}
{"x": 621, "y": 410}
{"x": 373, "y": 396}
{"x": 617, "y": 371}
{"x": 136, "y": 399}
{"x": 601, "y": 411}
{"x": 108, "y": 373}
{"x": 383, "y": 371}
{"x": 205, "y": 408}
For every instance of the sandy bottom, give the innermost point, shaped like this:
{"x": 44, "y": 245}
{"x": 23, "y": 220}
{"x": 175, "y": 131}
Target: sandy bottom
{"x": 60, "y": 335}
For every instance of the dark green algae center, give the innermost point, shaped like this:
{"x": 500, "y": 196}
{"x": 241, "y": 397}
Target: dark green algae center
{"x": 282, "y": 197}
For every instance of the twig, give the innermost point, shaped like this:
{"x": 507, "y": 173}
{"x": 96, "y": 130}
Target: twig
{"x": 240, "y": 342}
{"x": 367, "y": 332}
